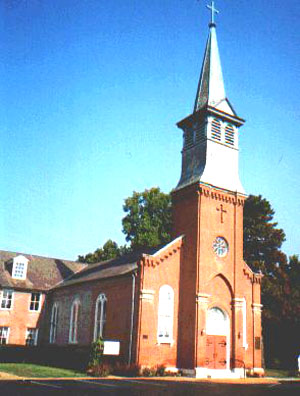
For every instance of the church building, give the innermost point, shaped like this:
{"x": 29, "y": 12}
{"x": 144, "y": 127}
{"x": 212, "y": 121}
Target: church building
{"x": 192, "y": 305}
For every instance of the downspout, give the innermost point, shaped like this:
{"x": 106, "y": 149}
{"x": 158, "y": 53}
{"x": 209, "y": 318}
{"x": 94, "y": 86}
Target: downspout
{"x": 132, "y": 317}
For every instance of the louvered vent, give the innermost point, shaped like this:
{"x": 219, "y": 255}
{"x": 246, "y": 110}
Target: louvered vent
{"x": 200, "y": 133}
{"x": 188, "y": 138}
{"x": 229, "y": 135}
{"x": 216, "y": 129}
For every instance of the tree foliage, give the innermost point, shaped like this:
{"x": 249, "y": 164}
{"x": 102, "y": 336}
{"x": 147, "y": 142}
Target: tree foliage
{"x": 262, "y": 240}
{"x": 147, "y": 224}
{"x": 148, "y": 219}
{"x": 280, "y": 284}
{"x": 262, "y": 243}
{"x": 109, "y": 251}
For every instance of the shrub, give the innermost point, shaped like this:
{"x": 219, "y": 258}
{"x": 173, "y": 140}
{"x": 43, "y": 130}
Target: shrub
{"x": 100, "y": 370}
{"x": 161, "y": 370}
{"x": 127, "y": 370}
{"x": 95, "y": 361}
{"x": 149, "y": 372}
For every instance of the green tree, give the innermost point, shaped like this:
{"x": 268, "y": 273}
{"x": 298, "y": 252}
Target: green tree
{"x": 280, "y": 284}
{"x": 109, "y": 251}
{"x": 148, "y": 219}
{"x": 147, "y": 224}
{"x": 281, "y": 314}
{"x": 262, "y": 240}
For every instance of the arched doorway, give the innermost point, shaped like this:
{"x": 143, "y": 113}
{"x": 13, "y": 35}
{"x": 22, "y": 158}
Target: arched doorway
{"x": 217, "y": 339}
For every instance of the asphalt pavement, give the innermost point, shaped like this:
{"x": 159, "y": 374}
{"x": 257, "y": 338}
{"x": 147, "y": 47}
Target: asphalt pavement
{"x": 136, "y": 387}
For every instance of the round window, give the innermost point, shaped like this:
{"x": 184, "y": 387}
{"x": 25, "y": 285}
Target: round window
{"x": 220, "y": 247}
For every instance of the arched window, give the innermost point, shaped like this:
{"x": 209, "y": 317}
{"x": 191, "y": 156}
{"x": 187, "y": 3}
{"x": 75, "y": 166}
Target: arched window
{"x": 216, "y": 129}
{"x": 73, "y": 339}
{"x": 229, "y": 135}
{"x": 216, "y": 322}
{"x": 53, "y": 323}
{"x": 100, "y": 316}
{"x": 165, "y": 314}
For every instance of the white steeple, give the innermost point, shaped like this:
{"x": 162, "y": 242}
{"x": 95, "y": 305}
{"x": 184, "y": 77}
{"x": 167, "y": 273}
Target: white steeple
{"x": 210, "y": 148}
{"x": 211, "y": 89}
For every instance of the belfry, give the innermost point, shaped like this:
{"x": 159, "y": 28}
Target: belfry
{"x": 219, "y": 304}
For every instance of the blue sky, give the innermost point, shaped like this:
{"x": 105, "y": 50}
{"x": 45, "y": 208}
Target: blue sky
{"x": 90, "y": 94}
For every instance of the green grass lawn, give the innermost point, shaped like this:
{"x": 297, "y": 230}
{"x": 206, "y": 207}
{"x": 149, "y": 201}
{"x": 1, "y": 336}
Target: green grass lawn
{"x": 276, "y": 373}
{"x": 35, "y": 370}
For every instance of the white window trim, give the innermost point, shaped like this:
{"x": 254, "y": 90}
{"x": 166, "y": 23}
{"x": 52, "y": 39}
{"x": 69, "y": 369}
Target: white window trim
{"x": 75, "y": 340}
{"x": 165, "y": 340}
{"x": 245, "y": 345}
{"x": 101, "y": 300}
{"x": 53, "y": 325}
{"x": 8, "y": 334}
{"x": 19, "y": 260}
{"x": 40, "y": 302}
{"x": 12, "y": 300}
{"x": 35, "y": 336}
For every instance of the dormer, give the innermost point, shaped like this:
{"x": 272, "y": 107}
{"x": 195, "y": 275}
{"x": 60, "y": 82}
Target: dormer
{"x": 19, "y": 268}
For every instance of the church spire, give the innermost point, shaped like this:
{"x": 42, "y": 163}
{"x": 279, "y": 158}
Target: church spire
{"x": 211, "y": 90}
{"x": 211, "y": 133}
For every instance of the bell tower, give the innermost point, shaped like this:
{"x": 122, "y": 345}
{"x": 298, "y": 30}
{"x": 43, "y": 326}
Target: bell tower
{"x": 210, "y": 133}
{"x": 219, "y": 295}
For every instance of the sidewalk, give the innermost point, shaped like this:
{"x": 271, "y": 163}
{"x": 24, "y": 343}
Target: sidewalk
{"x": 264, "y": 380}
{"x": 6, "y": 376}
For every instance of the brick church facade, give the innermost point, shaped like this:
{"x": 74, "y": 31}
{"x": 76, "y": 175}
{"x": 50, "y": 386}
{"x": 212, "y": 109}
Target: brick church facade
{"x": 192, "y": 305}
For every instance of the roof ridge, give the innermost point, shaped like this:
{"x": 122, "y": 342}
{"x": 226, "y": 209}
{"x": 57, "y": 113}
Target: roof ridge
{"x": 38, "y": 256}
{"x": 68, "y": 277}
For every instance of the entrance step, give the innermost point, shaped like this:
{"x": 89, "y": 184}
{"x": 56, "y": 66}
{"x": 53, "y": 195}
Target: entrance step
{"x": 203, "y": 372}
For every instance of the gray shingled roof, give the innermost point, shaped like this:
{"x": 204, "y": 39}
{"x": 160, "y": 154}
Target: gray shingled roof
{"x": 43, "y": 273}
{"x": 105, "y": 269}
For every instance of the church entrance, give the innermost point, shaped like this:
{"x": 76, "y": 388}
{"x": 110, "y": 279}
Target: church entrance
{"x": 216, "y": 352}
{"x": 217, "y": 331}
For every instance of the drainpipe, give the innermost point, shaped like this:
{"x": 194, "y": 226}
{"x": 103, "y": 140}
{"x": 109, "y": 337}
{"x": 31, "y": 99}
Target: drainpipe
{"x": 132, "y": 317}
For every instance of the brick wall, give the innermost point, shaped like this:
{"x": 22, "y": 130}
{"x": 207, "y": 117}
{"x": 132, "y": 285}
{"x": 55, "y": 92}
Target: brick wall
{"x": 18, "y": 318}
{"x": 202, "y": 214}
{"x": 118, "y": 292}
{"x": 157, "y": 271}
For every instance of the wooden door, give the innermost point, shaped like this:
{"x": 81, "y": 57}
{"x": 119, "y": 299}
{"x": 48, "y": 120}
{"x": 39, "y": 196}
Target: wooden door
{"x": 216, "y": 352}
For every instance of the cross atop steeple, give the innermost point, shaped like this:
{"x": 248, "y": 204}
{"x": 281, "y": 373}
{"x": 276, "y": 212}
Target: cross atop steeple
{"x": 211, "y": 90}
{"x": 213, "y": 12}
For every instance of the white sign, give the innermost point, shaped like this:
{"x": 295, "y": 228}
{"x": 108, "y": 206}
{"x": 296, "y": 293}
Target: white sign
{"x": 111, "y": 348}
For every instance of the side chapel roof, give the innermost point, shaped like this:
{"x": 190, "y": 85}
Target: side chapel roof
{"x": 45, "y": 273}
{"x": 121, "y": 265}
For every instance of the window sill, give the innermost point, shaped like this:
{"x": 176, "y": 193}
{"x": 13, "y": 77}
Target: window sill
{"x": 165, "y": 341}
{"x": 6, "y": 309}
{"x": 19, "y": 278}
